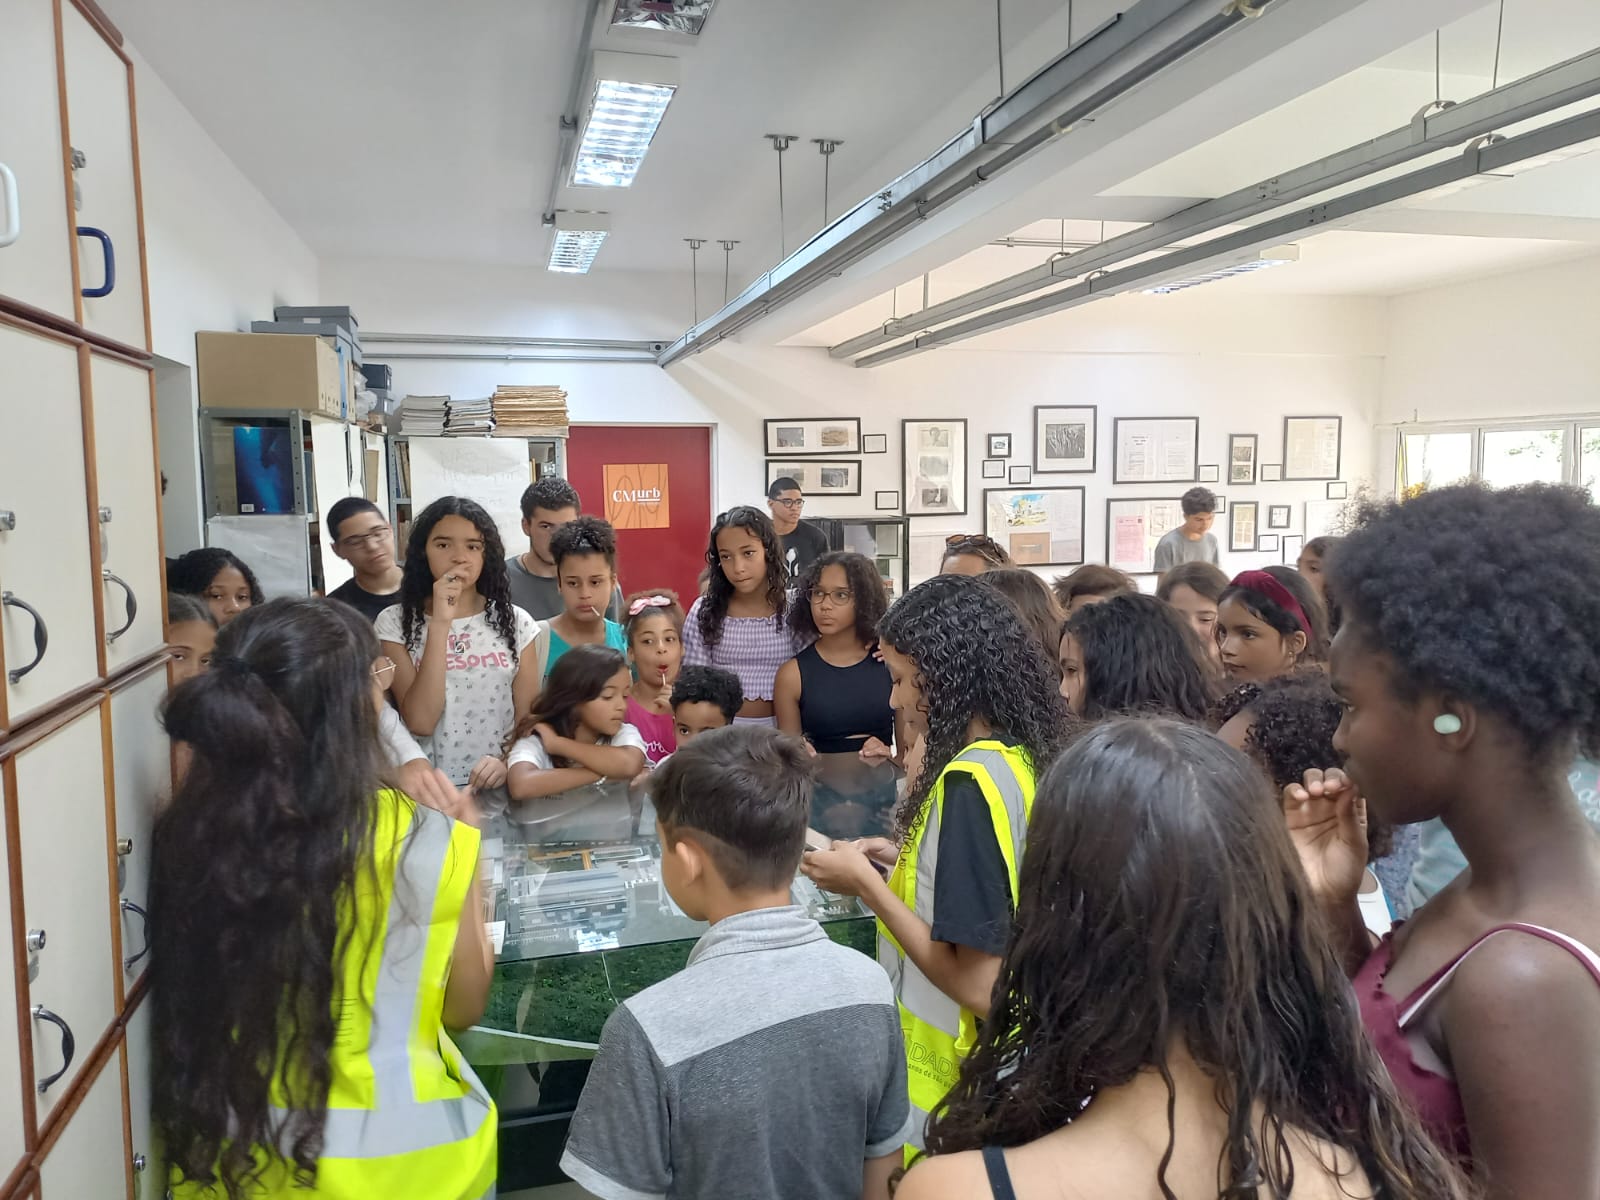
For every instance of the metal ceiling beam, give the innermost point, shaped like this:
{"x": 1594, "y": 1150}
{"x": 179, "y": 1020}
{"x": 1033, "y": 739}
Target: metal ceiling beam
{"x": 649, "y": 346}
{"x": 1126, "y": 51}
{"x": 1566, "y": 83}
{"x": 1474, "y": 160}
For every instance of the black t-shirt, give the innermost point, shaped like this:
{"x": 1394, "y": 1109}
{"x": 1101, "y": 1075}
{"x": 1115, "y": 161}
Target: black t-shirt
{"x": 972, "y": 892}
{"x": 803, "y": 547}
{"x": 368, "y": 604}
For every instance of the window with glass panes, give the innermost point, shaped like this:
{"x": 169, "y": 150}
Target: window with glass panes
{"x": 1501, "y": 454}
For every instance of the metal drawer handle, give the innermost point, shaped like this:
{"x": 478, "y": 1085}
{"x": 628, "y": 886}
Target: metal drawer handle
{"x": 41, "y": 635}
{"x": 8, "y": 520}
{"x": 68, "y": 1045}
{"x": 110, "y": 256}
{"x": 130, "y": 608}
{"x": 12, "y": 229}
{"x": 128, "y": 906}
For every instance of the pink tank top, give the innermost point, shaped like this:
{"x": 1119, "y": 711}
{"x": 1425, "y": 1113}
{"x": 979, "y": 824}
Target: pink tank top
{"x": 659, "y": 730}
{"x": 1434, "y": 1096}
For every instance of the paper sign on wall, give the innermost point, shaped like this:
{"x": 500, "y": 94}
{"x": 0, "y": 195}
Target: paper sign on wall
{"x": 637, "y": 495}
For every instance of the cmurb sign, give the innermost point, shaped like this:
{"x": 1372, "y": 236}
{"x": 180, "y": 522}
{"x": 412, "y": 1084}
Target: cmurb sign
{"x": 637, "y": 495}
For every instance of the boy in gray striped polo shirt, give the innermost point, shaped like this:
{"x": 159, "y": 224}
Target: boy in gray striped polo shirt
{"x": 771, "y": 1067}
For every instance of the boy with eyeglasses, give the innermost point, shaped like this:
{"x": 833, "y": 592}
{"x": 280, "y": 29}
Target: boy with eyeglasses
{"x": 361, "y": 535}
{"x": 802, "y": 544}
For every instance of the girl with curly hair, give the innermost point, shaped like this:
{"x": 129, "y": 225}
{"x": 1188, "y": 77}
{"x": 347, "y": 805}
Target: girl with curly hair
{"x": 313, "y": 935}
{"x": 1134, "y": 654}
{"x": 1169, "y": 1019}
{"x": 1468, "y": 687}
{"x": 742, "y": 622}
{"x": 966, "y": 665}
{"x": 460, "y": 676}
{"x": 835, "y": 692}
{"x": 219, "y": 577}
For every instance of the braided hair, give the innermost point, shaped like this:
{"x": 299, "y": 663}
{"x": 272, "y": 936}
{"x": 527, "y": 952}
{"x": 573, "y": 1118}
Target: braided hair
{"x": 494, "y": 584}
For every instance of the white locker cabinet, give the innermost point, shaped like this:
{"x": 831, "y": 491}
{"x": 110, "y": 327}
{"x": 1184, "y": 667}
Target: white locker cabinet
{"x": 35, "y": 247}
{"x": 11, "y": 1081}
{"x": 100, "y": 131}
{"x": 47, "y": 614}
{"x": 142, "y": 775}
{"x": 127, "y": 486}
{"x": 90, "y": 1159}
{"x": 66, "y": 900}
{"x": 149, "y": 1169}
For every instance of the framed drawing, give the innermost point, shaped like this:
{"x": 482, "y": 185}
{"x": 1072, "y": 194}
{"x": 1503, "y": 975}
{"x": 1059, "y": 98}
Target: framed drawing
{"x": 1241, "y": 458}
{"x": 1222, "y": 503}
{"x": 994, "y": 468}
{"x": 818, "y": 478}
{"x": 1155, "y": 449}
{"x": 1064, "y": 437}
{"x": 1133, "y": 527}
{"x": 806, "y": 436}
{"x": 1020, "y": 474}
{"x": 1039, "y": 527}
{"x": 999, "y": 445}
{"x": 934, "y": 462}
{"x": 1311, "y": 447}
{"x": 886, "y": 501}
{"x": 1271, "y": 472}
{"x": 875, "y": 443}
{"x": 1293, "y": 543}
{"x": 1242, "y": 525}
{"x": 1267, "y": 543}
{"x": 1210, "y": 473}
{"x": 1339, "y": 490}
{"x": 1277, "y": 516}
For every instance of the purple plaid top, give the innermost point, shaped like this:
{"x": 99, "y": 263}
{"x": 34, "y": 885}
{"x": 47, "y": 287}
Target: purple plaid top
{"x": 753, "y": 648}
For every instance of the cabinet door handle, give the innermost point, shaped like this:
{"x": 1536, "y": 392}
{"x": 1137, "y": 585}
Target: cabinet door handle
{"x": 128, "y": 906}
{"x": 104, "y": 238}
{"x": 68, "y": 1045}
{"x": 41, "y": 635}
{"x": 12, "y": 229}
{"x": 130, "y": 607}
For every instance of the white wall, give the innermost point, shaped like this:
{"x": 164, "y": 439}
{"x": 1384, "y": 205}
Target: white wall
{"x": 1510, "y": 346}
{"x": 219, "y": 257}
{"x": 1240, "y": 363}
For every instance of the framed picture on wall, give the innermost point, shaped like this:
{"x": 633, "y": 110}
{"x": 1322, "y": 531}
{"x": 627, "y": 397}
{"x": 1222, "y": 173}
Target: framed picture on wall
{"x": 1339, "y": 490}
{"x": 1242, "y": 523}
{"x": 1271, "y": 472}
{"x": 1293, "y": 543}
{"x": 999, "y": 445}
{"x": 1064, "y": 438}
{"x": 807, "y": 436}
{"x": 1241, "y": 458}
{"x": 934, "y": 467}
{"x": 1311, "y": 447}
{"x": 875, "y": 443}
{"x": 1267, "y": 543}
{"x": 886, "y": 501}
{"x": 1277, "y": 516}
{"x": 1155, "y": 449}
{"x": 994, "y": 468}
{"x": 1022, "y": 473}
{"x": 1133, "y": 527}
{"x": 1210, "y": 473}
{"x": 1039, "y": 527}
{"x": 840, "y": 477}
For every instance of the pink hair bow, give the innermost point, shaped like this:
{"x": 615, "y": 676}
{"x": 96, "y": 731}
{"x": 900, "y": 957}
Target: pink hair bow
{"x": 644, "y": 602}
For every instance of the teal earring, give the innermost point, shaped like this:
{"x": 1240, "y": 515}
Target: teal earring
{"x": 1446, "y": 724}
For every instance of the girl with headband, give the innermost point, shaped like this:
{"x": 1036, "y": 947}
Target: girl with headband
{"x": 1268, "y": 623}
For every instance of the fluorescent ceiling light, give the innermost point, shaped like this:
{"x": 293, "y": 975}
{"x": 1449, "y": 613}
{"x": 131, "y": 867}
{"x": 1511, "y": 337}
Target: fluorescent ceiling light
{"x": 1275, "y": 257}
{"x": 578, "y": 238}
{"x": 630, "y": 96}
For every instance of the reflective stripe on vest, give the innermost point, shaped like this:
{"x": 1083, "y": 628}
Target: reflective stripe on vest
{"x": 938, "y": 1031}
{"x": 416, "y": 951}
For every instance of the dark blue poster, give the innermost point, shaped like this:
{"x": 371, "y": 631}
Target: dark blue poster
{"x": 263, "y": 464}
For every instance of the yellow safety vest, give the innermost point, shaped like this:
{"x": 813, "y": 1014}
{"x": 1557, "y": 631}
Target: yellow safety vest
{"x": 407, "y": 1119}
{"x": 939, "y": 1033}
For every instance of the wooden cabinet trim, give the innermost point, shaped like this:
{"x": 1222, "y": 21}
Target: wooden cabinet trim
{"x": 91, "y": 482}
{"x": 96, "y": 16}
{"x": 19, "y": 952}
{"x": 66, "y": 166}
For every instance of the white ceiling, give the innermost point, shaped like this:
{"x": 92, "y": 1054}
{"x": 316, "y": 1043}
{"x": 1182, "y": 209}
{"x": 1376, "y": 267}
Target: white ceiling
{"x": 419, "y": 129}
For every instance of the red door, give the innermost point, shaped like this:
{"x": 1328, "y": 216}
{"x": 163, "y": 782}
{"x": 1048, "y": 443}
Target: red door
{"x": 653, "y": 482}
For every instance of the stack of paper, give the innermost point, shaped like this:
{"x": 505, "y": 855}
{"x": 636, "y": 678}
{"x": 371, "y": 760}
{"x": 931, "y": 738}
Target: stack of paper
{"x": 423, "y": 416}
{"x": 469, "y": 418}
{"x": 521, "y": 411}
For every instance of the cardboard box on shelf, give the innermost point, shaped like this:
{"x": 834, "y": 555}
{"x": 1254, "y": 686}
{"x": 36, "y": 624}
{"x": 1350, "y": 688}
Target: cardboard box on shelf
{"x": 267, "y": 370}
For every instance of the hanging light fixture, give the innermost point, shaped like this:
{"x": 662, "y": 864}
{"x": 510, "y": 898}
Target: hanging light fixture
{"x": 628, "y": 98}
{"x": 578, "y": 238}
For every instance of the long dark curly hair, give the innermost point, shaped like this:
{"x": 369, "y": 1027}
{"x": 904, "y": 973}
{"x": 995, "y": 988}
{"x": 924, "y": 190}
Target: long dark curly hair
{"x": 1160, "y": 898}
{"x": 193, "y": 572}
{"x": 714, "y": 602}
{"x": 494, "y": 584}
{"x": 1140, "y": 656}
{"x": 975, "y": 657}
{"x": 866, "y": 588}
{"x": 253, "y": 861}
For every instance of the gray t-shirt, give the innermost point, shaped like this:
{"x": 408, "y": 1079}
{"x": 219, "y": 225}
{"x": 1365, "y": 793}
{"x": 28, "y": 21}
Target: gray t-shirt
{"x": 1173, "y": 549}
{"x": 540, "y": 597}
{"x": 769, "y": 1068}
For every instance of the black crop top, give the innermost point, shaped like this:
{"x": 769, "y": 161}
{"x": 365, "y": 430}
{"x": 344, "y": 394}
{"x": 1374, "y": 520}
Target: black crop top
{"x": 840, "y": 707}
